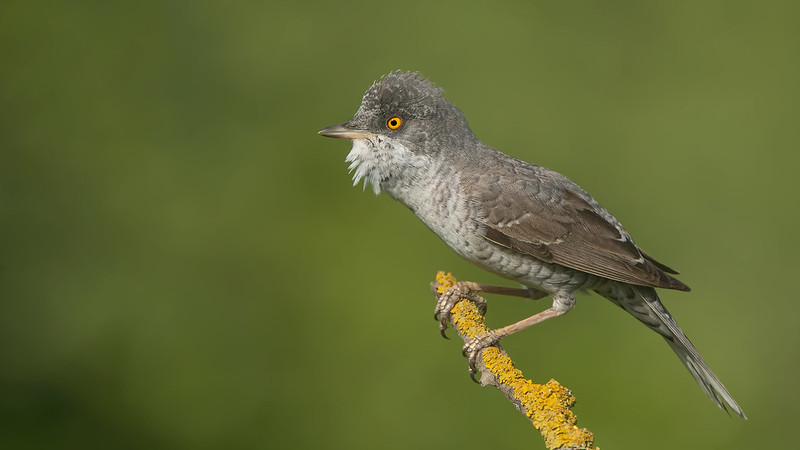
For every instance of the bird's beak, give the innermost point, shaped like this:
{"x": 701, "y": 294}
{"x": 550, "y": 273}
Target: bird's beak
{"x": 344, "y": 131}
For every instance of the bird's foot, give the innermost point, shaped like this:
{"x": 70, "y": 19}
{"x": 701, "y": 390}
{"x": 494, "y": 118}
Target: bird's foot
{"x": 447, "y": 300}
{"x": 472, "y": 349}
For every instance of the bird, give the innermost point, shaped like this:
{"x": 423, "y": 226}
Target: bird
{"x": 523, "y": 222}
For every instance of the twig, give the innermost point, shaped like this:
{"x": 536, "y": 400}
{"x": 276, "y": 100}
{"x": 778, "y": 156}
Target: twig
{"x": 546, "y": 405}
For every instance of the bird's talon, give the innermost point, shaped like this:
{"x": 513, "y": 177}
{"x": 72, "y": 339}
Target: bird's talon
{"x": 445, "y": 303}
{"x": 472, "y": 373}
{"x": 448, "y": 299}
{"x": 472, "y": 349}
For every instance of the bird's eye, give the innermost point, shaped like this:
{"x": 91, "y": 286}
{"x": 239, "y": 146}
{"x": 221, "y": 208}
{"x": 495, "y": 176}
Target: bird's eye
{"x": 394, "y": 122}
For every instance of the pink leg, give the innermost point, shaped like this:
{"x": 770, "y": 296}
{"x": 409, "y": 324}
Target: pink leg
{"x": 561, "y": 304}
{"x": 468, "y": 289}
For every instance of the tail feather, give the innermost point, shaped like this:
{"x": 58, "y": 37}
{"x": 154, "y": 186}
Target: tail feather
{"x": 644, "y": 304}
{"x": 707, "y": 380}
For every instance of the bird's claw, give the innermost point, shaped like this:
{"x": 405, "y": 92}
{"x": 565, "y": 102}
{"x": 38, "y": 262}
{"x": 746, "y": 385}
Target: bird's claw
{"x": 444, "y": 305}
{"x": 472, "y": 349}
{"x": 447, "y": 300}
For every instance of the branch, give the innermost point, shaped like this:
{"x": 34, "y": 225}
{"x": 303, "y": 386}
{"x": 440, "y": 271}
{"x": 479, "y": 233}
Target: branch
{"x": 547, "y": 406}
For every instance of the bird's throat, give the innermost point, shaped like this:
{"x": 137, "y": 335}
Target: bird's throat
{"x": 380, "y": 158}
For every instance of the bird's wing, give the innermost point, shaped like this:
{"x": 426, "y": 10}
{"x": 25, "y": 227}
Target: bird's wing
{"x": 543, "y": 214}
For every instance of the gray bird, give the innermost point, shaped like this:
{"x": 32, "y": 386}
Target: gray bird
{"x": 523, "y": 222}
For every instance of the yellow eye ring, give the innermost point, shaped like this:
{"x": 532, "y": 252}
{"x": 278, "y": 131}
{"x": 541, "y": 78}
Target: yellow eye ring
{"x": 394, "y": 123}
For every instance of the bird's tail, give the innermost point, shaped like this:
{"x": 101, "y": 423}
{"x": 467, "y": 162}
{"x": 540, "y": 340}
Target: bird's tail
{"x": 644, "y": 304}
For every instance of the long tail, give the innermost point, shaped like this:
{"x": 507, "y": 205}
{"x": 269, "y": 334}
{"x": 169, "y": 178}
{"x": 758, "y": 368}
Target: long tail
{"x": 644, "y": 304}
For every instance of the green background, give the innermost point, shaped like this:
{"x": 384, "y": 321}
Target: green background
{"x": 184, "y": 263}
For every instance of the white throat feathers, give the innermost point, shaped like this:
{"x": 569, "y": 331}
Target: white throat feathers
{"x": 378, "y": 158}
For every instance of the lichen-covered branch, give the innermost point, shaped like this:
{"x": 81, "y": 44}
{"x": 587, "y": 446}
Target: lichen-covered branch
{"x": 546, "y": 405}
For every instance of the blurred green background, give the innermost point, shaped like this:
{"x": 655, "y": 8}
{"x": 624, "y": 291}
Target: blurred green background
{"x": 184, "y": 263}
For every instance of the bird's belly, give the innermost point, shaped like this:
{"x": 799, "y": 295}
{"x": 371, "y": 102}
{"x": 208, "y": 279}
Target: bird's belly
{"x": 519, "y": 267}
{"x": 464, "y": 235}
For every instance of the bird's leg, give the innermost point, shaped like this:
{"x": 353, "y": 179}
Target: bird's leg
{"x": 468, "y": 289}
{"x": 561, "y": 304}
{"x": 525, "y": 292}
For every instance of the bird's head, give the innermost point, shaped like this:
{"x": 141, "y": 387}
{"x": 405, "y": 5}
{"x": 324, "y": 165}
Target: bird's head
{"x": 403, "y": 121}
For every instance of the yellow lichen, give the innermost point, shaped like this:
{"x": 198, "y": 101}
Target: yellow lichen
{"x": 444, "y": 281}
{"x": 547, "y": 406}
{"x": 468, "y": 320}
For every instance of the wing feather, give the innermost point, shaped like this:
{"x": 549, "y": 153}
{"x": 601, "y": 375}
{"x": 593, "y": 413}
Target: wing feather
{"x": 543, "y": 214}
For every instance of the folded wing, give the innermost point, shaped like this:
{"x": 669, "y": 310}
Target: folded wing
{"x": 563, "y": 225}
